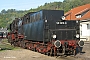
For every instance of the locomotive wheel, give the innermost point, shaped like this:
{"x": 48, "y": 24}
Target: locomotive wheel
{"x": 48, "y": 53}
{"x": 74, "y": 52}
{"x": 20, "y": 44}
{"x": 35, "y": 49}
{"x": 55, "y": 52}
{"x": 15, "y": 43}
{"x": 51, "y": 52}
{"x": 79, "y": 49}
{"x": 63, "y": 50}
{"x": 23, "y": 44}
{"x": 11, "y": 43}
{"x": 45, "y": 53}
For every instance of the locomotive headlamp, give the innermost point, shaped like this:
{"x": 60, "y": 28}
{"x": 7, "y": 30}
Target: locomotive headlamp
{"x": 77, "y": 36}
{"x": 81, "y": 43}
{"x": 63, "y": 17}
{"x": 46, "y": 21}
{"x": 54, "y": 36}
{"x": 77, "y": 21}
{"x": 57, "y": 43}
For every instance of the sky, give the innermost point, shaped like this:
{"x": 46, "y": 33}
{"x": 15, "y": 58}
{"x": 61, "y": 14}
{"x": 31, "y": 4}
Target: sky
{"x": 23, "y": 4}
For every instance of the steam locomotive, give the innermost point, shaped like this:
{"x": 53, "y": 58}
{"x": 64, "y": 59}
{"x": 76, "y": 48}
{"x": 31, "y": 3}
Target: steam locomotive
{"x": 46, "y": 32}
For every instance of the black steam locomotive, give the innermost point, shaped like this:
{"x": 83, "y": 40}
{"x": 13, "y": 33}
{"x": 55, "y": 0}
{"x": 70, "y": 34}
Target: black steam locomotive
{"x": 46, "y": 32}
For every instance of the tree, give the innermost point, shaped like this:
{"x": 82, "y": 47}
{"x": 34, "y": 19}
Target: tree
{"x": 3, "y": 11}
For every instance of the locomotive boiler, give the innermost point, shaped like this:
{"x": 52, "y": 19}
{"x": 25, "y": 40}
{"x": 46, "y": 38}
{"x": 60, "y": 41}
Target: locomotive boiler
{"x": 46, "y": 32}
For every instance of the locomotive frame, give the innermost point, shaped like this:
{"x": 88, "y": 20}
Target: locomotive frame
{"x": 45, "y": 32}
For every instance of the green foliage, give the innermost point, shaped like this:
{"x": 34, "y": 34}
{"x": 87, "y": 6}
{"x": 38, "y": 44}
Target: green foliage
{"x": 70, "y": 4}
{"x": 4, "y": 45}
{"x": 7, "y": 16}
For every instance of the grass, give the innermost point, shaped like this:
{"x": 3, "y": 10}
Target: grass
{"x": 4, "y": 45}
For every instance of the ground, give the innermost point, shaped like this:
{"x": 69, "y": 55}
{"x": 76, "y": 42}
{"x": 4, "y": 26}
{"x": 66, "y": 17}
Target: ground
{"x": 24, "y": 54}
